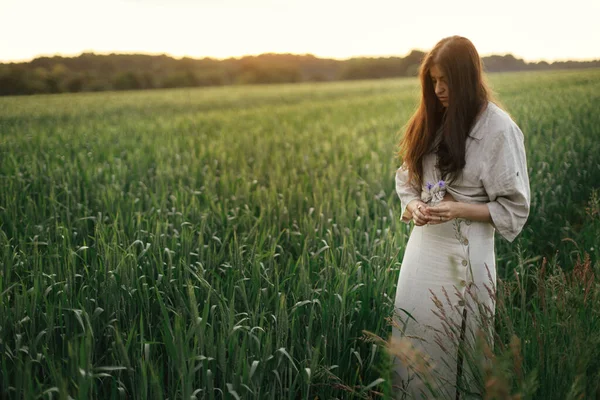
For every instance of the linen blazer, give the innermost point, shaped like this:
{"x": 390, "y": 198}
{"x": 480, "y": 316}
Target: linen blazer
{"x": 495, "y": 173}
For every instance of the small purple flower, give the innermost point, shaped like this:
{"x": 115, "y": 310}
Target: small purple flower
{"x": 441, "y": 184}
{"x": 429, "y": 185}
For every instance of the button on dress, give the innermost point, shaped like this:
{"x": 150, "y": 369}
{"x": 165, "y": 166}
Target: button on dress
{"x": 447, "y": 265}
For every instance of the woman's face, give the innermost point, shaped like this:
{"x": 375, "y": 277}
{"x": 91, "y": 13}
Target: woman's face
{"x": 439, "y": 84}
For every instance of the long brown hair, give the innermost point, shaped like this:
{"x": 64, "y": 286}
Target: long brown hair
{"x": 468, "y": 92}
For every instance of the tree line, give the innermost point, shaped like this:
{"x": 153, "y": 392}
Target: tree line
{"x": 94, "y": 72}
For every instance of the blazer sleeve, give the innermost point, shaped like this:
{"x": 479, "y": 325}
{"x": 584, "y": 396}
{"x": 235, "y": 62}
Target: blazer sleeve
{"x": 506, "y": 181}
{"x": 406, "y": 192}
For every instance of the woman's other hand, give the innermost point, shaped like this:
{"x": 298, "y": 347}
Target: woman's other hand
{"x": 419, "y": 211}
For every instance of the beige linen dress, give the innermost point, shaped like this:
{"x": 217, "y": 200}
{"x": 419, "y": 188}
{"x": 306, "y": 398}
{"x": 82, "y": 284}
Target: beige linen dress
{"x": 448, "y": 265}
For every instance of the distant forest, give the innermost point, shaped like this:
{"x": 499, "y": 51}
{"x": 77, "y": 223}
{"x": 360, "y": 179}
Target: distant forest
{"x": 93, "y": 72}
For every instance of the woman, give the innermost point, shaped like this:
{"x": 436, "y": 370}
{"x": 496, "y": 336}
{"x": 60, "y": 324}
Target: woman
{"x": 463, "y": 177}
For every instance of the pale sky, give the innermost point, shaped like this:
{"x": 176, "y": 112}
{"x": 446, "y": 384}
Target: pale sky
{"x": 531, "y": 29}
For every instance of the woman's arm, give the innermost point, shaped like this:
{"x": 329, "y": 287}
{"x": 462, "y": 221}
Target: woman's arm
{"x": 506, "y": 182}
{"x": 456, "y": 209}
{"x": 407, "y": 193}
{"x": 475, "y": 212}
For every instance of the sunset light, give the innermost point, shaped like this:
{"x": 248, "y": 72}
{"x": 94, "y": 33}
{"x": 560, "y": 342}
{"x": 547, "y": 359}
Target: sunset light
{"x": 533, "y": 30}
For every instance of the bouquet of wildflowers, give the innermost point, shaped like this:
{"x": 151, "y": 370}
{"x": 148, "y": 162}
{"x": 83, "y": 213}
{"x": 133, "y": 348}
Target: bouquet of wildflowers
{"x": 432, "y": 193}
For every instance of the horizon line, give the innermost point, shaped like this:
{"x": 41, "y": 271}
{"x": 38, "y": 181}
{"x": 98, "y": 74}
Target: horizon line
{"x": 179, "y": 57}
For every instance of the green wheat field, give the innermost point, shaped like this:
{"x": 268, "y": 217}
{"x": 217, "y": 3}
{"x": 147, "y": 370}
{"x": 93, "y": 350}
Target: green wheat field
{"x": 244, "y": 242}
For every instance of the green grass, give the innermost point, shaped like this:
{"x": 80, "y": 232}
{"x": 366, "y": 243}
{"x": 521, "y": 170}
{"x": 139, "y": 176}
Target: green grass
{"x": 236, "y": 242}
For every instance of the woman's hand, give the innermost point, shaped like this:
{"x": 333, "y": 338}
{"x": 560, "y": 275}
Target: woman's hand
{"x": 419, "y": 211}
{"x": 444, "y": 211}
